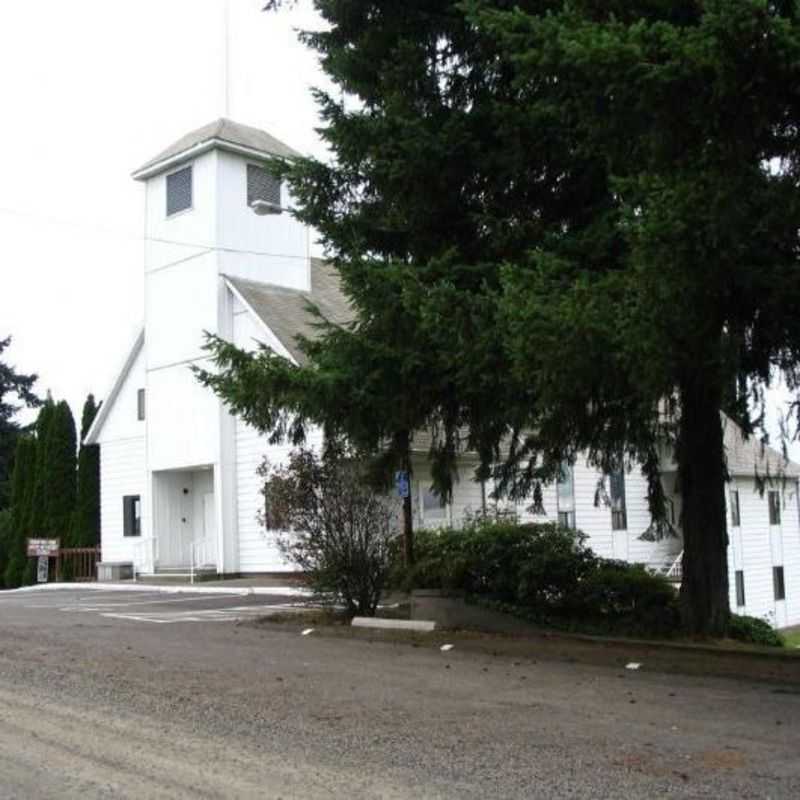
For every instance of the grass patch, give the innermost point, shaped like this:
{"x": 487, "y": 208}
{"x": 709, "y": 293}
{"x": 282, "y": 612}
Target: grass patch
{"x": 792, "y": 639}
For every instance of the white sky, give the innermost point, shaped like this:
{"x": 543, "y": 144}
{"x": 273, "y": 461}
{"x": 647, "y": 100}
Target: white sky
{"x": 92, "y": 89}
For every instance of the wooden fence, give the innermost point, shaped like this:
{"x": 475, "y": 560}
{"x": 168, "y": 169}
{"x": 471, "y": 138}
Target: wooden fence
{"x": 77, "y": 564}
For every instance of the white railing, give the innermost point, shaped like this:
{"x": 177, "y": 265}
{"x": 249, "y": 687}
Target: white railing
{"x": 201, "y": 556}
{"x": 675, "y": 572}
{"x": 145, "y": 556}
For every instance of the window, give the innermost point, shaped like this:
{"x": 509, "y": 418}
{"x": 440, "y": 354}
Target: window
{"x": 179, "y": 191}
{"x": 433, "y": 509}
{"x": 132, "y": 515}
{"x": 774, "y": 508}
{"x": 565, "y": 495}
{"x": 140, "y": 404}
{"x": 619, "y": 516}
{"x": 262, "y": 185}
{"x": 778, "y": 585}
{"x": 733, "y": 500}
{"x": 740, "y": 588}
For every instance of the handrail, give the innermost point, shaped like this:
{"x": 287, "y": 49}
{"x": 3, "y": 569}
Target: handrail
{"x": 676, "y": 570}
{"x": 199, "y": 556}
{"x": 142, "y": 559}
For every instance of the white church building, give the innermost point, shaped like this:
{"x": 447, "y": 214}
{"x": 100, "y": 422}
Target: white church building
{"x": 179, "y": 486}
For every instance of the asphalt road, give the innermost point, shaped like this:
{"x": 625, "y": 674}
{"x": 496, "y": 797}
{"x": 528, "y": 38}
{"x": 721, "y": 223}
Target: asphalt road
{"x": 148, "y": 695}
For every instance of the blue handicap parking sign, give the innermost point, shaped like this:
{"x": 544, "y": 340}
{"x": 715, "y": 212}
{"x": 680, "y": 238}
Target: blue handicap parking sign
{"x": 402, "y": 484}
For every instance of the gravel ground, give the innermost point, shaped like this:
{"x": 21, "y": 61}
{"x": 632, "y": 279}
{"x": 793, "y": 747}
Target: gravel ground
{"x": 92, "y": 706}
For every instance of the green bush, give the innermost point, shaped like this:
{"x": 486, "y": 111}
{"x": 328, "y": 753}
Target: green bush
{"x": 754, "y": 631}
{"x": 544, "y": 573}
{"x": 619, "y": 596}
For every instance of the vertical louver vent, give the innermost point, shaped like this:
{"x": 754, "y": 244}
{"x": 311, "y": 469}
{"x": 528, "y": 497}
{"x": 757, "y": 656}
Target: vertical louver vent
{"x": 179, "y": 191}
{"x": 262, "y": 186}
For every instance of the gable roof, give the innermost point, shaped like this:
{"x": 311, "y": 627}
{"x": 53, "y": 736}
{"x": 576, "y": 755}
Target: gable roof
{"x": 284, "y": 311}
{"x": 750, "y": 457}
{"x": 108, "y": 402}
{"x": 224, "y": 134}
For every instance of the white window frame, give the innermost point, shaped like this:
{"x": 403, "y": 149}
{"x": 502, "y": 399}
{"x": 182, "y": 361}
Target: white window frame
{"x": 570, "y": 512}
{"x": 422, "y": 488}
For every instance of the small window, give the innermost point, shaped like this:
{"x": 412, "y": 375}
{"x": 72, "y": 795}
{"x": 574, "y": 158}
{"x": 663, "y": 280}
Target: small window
{"x": 132, "y": 515}
{"x": 433, "y": 509}
{"x": 179, "y": 191}
{"x": 733, "y": 499}
{"x": 263, "y": 185}
{"x": 619, "y": 515}
{"x": 774, "y": 499}
{"x": 566, "y": 519}
{"x": 565, "y": 495}
{"x": 740, "y": 603}
{"x": 777, "y": 583}
{"x": 140, "y": 404}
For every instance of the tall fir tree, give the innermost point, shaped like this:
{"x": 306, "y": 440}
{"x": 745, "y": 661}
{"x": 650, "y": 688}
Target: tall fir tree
{"x": 19, "y": 386}
{"x": 593, "y": 209}
{"x": 36, "y": 511}
{"x": 60, "y": 474}
{"x": 85, "y": 529}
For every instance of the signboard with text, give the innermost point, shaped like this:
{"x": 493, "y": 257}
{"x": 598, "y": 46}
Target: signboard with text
{"x": 43, "y": 569}
{"x": 43, "y": 547}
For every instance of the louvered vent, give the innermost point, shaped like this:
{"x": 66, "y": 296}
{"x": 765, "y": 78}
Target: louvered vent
{"x": 261, "y": 185}
{"x": 179, "y": 191}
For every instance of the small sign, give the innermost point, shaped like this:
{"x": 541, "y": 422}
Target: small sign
{"x": 42, "y": 569}
{"x": 43, "y": 547}
{"x": 402, "y": 483}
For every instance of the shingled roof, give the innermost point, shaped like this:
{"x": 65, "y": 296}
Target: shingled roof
{"x": 285, "y": 311}
{"x": 748, "y": 457}
{"x": 222, "y": 133}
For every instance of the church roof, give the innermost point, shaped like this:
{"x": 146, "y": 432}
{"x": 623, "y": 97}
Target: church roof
{"x": 222, "y": 133}
{"x": 285, "y": 311}
{"x": 747, "y": 457}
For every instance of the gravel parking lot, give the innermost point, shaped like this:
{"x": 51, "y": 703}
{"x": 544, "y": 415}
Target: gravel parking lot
{"x": 149, "y": 694}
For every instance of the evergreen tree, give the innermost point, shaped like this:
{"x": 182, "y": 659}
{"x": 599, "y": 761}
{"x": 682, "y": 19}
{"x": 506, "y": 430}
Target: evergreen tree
{"x": 36, "y": 511}
{"x": 591, "y": 211}
{"x": 22, "y": 488}
{"x": 20, "y": 386}
{"x": 85, "y": 531}
{"x": 60, "y": 474}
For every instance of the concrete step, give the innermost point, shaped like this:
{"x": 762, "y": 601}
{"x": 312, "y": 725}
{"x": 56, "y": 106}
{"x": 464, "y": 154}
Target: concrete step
{"x": 180, "y": 575}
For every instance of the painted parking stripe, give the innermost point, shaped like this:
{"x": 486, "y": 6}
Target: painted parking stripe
{"x": 206, "y": 615}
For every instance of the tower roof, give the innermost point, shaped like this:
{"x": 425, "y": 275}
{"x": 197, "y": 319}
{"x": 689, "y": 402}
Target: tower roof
{"x": 223, "y": 134}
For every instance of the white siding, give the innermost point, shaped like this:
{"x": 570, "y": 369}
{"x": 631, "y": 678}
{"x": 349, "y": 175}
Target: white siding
{"x": 756, "y": 547}
{"x": 122, "y": 472}
{"x": 591, "y": 518}
{"x": 258, "y": 550}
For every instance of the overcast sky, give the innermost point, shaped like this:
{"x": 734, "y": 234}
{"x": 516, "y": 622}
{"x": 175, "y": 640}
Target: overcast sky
{"x": 90, "y": 91}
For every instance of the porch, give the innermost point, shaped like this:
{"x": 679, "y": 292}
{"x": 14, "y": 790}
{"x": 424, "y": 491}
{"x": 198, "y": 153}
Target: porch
{"x": 184, "y": 541}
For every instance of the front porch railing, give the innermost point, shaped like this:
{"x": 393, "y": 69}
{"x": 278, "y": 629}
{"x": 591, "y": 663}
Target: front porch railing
{"x": 202, "y": 556}
{"x": 145, "y": 556}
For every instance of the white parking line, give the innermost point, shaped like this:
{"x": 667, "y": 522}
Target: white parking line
{"x": 206, "y": 615}
{"x": 157, "y": 600}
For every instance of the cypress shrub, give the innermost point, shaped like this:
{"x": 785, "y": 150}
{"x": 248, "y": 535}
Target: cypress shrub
{"x": 85, "y": 529}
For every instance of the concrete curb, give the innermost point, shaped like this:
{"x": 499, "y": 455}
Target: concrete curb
{"x": 242, "y": 591}
{"x": 382, "y": 623}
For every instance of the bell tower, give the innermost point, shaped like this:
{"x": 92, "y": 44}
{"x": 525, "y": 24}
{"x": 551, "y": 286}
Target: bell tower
{"x": 212, "y": 210}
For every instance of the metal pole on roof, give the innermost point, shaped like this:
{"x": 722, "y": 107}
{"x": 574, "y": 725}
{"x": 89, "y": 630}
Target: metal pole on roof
{"x": 227, "y": 32}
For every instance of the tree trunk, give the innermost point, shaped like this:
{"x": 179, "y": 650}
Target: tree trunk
{"x": 700, "y": 455}
{"x": 408, "y": 510}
